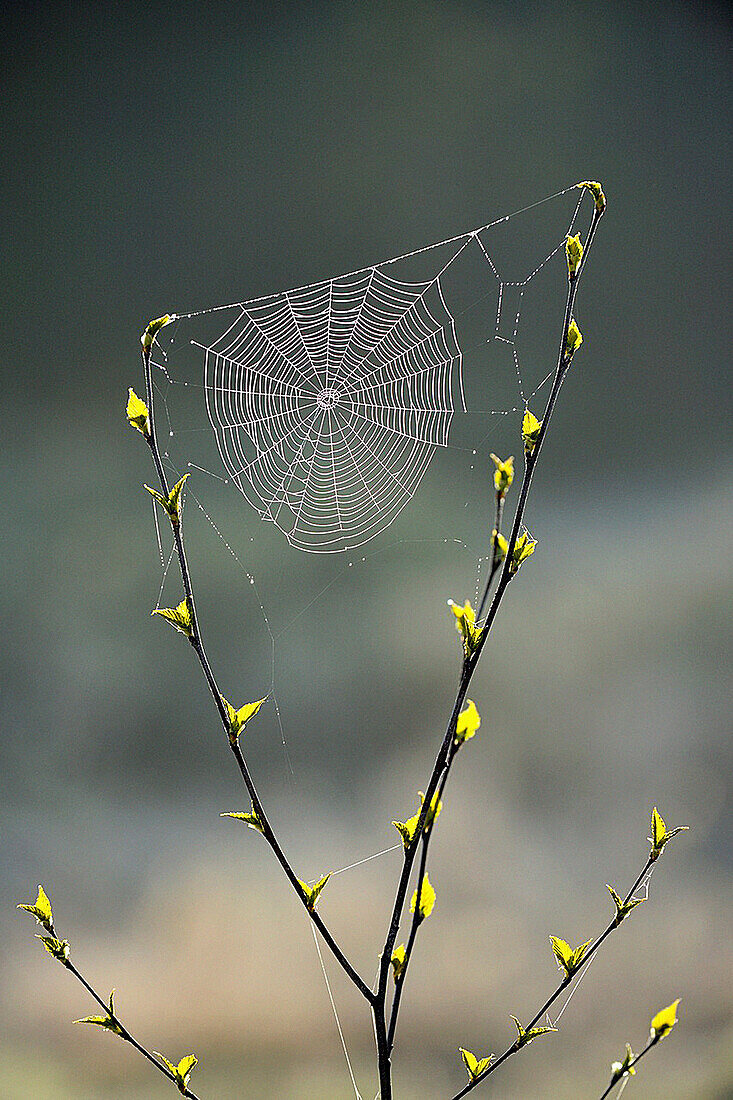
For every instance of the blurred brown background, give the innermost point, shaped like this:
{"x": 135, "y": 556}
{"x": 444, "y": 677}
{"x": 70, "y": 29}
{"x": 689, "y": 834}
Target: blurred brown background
{"x": 170, "y": 155}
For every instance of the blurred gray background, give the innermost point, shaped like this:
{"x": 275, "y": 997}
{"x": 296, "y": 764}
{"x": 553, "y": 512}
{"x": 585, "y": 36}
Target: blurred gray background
{"x": 172, "y": 156}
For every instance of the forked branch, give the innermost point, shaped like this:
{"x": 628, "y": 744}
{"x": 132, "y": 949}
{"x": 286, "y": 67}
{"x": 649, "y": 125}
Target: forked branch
{"x": 446, "y": 752}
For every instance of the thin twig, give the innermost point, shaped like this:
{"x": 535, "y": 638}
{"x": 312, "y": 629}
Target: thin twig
{"x": 653, "y": 1040}
{"x": 566, "y": 981}
{"x": 123, "y": 1032}
{"x": 495, "y": 556}
{"x": 426, "y": 835}
{"x": 444, "y": 756}
{"x": 200, "y": 650}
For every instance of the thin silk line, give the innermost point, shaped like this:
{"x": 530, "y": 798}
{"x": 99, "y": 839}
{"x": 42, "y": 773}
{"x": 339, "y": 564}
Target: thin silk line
{"x": 394, "y": 259}
{"x": 335, "y": 1015}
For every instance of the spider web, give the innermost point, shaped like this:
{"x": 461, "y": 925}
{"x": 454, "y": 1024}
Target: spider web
{"x": 329, "y": 402}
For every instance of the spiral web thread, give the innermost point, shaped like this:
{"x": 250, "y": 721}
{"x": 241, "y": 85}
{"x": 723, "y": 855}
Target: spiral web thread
{"x": 328, "y": 403}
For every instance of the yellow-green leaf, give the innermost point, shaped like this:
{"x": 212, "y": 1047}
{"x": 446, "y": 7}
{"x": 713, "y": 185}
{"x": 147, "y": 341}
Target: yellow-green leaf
{"x": 573, "y": 254}
{"x": 108, "y": 1022}
{"x": 238, "y": 719}
{"x": 503, "y": 474}
{"x": 664, "y": 1021}
{"x": 568, "y": 958}
{"x": 625, "y": 1068}
{"x": 182, "y": 1071}
{"x": 524, "y": 547}
{"x": 475, "y": 1067}
{"x": 597, "y": 192}
{"x": 500, "y": 544}
{"x": 163, "y": 1059}
{"x": 466, "y": 626}
{"x": 41, "y": 910}
{"x": 58, "y": 948}
{"x": 172, "y": 503}
{"x": 251, "y": 818}
{"x": 526, "y": 1036}
{"x": 408, "y": 829}
{"x": 433, "y": 813}
{"x": 153, "y": 328}
{"x": 312, "y": 893}
{"x": 661, "y": 834}
{"x": 398, "y": 962}
{"x": 623, "y": 908}
{"x": 427, "y": 898}
{"x": 179, "y": 617}
{"x": 573, "y": 341}
{"x": 186, "y": 1065}
{"x": 137, "y": 413}
{"x": 531, "y": 428}
{"x": 467, "y": 723}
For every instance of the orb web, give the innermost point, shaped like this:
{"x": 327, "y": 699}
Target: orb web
{"x": 329, "y": 402}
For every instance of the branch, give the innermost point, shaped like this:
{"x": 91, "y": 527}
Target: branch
{"x": 629, "y": 1066}
{"x": 60, "y": 950}
{"x": 427, "y": 834}
{"x": 566, "y": 981}
{"x": 124, "y": 1033}
{"x": 196, "y": 641}
{"x": 444, "y": 756}
{"x": 661, "y": 1025}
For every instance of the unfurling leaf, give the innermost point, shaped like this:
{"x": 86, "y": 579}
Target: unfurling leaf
{"x": 503, "y": 474}
{"x": 408, "y": 829}
{"x": 500, "y": 544}
{"x": 623, "y": 908}
{"x": 568, "y": 959}
{"x": 179, "y": 617}
{"x": 238, "y": 719}
{"x": 475, "y": 1067}
{"x": 171, "y": 504}
{"x": 661, "y": 834}
{"x": 597, "y": 192}
{"x": 398, "y": 962}
{"x": 525, "y": 1037}
{"x": 137, "y": 413}
{"x": 312, "y": 893}
{"x": 523, "y": 548}
{"x": 148, "y": 337}
{"x": 427, "y": 899}
{"x": 664, "y": 1021}
{"x": 573, "y": 341}
{"x": 623, "y": 1069}
{"x": 573, "y": 254}
{"x": 252, "y": 819}
{"x": 466, "y": 626}
{"x": 531, "y": 428}
{"x": 108, "y": 1022}
{"x": 41, "y": 910}
{"x": 433, "y": 813}
{"x": 182, "y": 1071}
{"x": 58, "y": 948}
{"x": 467, "y": 723}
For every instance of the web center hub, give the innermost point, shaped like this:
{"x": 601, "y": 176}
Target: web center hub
{"x": 327, "y": 398}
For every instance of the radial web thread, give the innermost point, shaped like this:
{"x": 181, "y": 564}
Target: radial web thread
{"x": 328, "y": 403}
